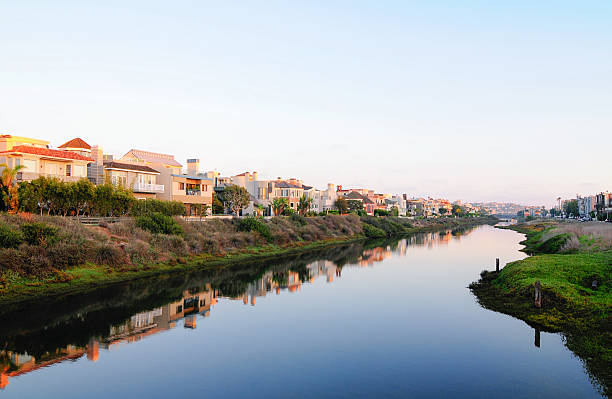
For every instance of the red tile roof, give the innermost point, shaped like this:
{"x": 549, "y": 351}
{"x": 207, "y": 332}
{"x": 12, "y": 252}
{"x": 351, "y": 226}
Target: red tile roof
{"x": 76, "y": 143}
{"x": 25, "y": 149}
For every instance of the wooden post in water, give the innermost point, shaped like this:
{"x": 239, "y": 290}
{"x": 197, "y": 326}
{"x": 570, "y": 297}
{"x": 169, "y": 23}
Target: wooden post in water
{"x": 538, "y": 294}
{"x": 537, "y": 338}
{"x": 497, "y": 265}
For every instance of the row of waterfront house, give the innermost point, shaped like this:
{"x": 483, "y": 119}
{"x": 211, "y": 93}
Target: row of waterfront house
{"x": 590, "y": 205}
{"x": 160, "y": 176}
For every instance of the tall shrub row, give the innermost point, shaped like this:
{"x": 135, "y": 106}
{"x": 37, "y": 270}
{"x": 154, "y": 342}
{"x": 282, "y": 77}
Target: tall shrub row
{"x": 54, "y": 197}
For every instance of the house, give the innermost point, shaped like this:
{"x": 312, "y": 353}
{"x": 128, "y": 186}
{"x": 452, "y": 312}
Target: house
{"x": 193, "y": 189}
{"x": 141, "y": 179}
{"x": 38, "y": 159}
{"x": 368, "y": 205}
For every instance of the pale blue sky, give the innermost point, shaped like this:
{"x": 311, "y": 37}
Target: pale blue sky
{"x": 473, "y": 100}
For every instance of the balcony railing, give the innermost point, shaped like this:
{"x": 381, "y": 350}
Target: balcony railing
{"x": 148, "y": 188}
{"x": 193, "y": 192}
{"x": 27, "y": 176}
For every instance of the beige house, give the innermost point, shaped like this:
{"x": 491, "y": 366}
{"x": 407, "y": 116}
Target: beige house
{"x": 192, "y": 189}
{"x": 141, "y": 179}
{"x": 39, "y": 160}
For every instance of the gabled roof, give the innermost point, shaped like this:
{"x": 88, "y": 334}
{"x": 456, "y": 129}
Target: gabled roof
{"x": 155, "y": 157}
{"x": 128, "y": 166}
{"x": 46, "y": 152}
{"x": 354, "y": 195}
{"x": 76, "y": 143}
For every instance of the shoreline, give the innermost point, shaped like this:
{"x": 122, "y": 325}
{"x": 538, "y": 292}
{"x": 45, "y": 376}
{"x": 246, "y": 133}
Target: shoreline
{"x": 569, "y": 306}
{"x": 88, "y": 277}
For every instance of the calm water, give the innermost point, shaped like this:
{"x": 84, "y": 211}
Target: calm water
{"x": 357, "y": 321}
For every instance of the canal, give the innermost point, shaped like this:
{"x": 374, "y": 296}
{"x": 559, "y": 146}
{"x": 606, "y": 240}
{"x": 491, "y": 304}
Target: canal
{"x": 376, "y": 319}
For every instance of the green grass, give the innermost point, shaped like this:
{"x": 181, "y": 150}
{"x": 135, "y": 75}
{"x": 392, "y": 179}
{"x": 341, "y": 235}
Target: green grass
{"x": 570, "y": 304}
{"x": 567, "y": 277}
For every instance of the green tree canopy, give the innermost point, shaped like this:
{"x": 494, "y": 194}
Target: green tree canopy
{"x": 235, "y": 198}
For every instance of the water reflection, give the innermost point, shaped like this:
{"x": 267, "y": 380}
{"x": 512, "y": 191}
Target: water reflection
{"x": 72, "y": 327}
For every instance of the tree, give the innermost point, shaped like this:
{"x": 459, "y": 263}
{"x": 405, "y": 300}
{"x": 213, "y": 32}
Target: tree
{"x": 304, "y": 205}
{"x": 217, "y": 205}
{"x": 34, "y": 195}
{"x": 355, "y": 205}
{"x": 7, "y": 179}
{"x": 341, "y": 205}
{"x": 260, "y": 209}
{"x": 83, "y": 192}
{"x": 279, "y": 205}
{"x": 235, "y": 198}
{"x": 443, "y": 211}
{"x": 395, "y": 211}
{"x": 571, "y": 208}
{"x": 457, "y": 211}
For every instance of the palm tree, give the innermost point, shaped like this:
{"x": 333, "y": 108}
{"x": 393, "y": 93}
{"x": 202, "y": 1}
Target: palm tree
{"x": 7, "y": 179}
{"x": 279, "y": 205}
{"x": 304, "y": 205}
{"x": 260, "y": 209}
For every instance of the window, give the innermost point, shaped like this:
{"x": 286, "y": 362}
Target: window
{"x": 181, "y": 186}
{"x": 68, "y": 170}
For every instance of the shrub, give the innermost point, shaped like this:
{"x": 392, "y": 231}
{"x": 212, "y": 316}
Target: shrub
{"x": 158, "y": 223}
{"x": 39, "y": 234}
{"x": 170, "y": 243}
{"x": 111, "y": 255}
{"x": 251, "y": 223}
{"x": 373, "y": 232}
{"x": 9, "y": 238}
{"x": 139, "y": 252}
{"x": 63, "y": 255}
{"x": 148, "y": 206}
{"x": 381, "y": 212}
{"x": 298, "y": 219}
{"x": 28, "y": 261}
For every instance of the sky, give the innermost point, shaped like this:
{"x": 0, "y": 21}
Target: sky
{"x": 471, "y": 100}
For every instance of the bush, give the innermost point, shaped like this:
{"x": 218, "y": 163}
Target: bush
{"x": 108, "y": 254}
{"x": 381, "y": 212}
{"x": 39, "y": 234}
{"x": 9, "y": 238}
{"x": 158, "y": 223}
{"x": 64, "y": 255}
{"x": 298, "y": 219}
{"x": 139, "y": 252}
{"x": 148, "y": 206}
{"x": 170, "y": 243}
{"x": 28, "y": 261}
{"x": 251, "y": 223}
{"x": 373, "y": 232}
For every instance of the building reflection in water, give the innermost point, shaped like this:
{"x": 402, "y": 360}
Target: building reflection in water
{"x": 198, "y": 301}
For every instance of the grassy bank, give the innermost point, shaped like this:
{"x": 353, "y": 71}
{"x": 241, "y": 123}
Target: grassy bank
{"x": 569, "y": 259}
{"x": 49, "y": 255}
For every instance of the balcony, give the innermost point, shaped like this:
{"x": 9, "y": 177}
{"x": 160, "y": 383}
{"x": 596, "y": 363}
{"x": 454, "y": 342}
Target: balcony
{"x": 148, "y": 188}
{"x": 29, "y": 176}
{"x": 193, "y": 192}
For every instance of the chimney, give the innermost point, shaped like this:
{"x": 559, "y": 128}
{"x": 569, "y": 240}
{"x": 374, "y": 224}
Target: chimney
{"x": 97, "y": 155}
{"x": 254, "y": 176}
{"x": 193, "y": 167}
